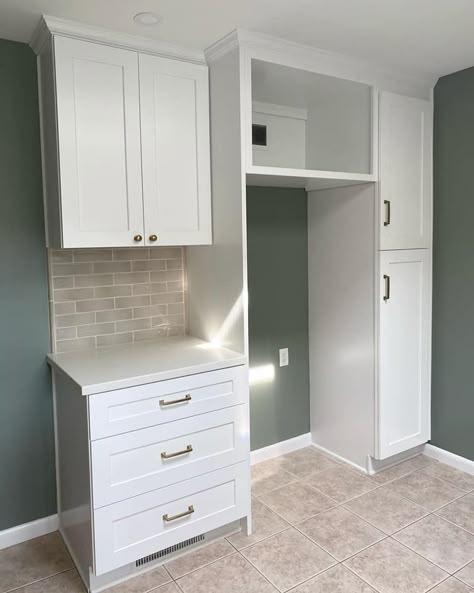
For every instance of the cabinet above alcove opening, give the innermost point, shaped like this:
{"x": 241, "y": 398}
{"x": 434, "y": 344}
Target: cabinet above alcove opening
{"x": 308, "y": 129}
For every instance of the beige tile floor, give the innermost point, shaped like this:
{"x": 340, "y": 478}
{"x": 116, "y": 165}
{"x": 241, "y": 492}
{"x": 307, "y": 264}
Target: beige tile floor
{"x": 319, "y": 527}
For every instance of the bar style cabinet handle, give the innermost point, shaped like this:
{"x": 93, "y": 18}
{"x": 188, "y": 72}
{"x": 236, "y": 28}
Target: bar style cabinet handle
{"x": 386, "y": 203}
{"x": 182, "y": 400}
{"x": 386, "y": 296}
{"x": 188, "y": 449}
{"x": 167, "y": 518}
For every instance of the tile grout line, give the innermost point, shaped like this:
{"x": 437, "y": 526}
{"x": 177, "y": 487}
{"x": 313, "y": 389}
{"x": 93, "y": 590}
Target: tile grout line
{"x": 71, "y": 568}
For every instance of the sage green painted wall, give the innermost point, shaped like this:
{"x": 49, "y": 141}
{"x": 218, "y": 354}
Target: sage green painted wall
{"x": 278, "y": 312}
{"x": 453, "y": 272}
{"x": 27, "y": 482}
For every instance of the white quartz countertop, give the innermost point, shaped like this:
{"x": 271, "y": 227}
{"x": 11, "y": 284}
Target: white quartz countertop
{"x": 128, "y": 365}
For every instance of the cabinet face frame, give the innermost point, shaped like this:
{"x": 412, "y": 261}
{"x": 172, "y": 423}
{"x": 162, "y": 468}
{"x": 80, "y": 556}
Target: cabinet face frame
{"x": 299, "y": 61}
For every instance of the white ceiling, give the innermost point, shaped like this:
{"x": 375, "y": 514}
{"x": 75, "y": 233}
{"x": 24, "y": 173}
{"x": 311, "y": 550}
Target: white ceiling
{"x": 433, "y": 37}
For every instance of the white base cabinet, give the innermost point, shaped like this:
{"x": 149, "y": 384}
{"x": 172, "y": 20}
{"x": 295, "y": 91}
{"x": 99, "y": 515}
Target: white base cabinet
{"x": 404, "y": 350}
{"x": 148, "y": 468}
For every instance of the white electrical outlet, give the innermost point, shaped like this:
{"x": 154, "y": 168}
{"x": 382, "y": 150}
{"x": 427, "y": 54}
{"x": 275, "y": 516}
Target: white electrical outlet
{"x": 284, "y": 359}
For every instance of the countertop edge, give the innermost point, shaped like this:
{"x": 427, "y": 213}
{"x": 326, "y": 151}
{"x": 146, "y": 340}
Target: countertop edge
{"x": 136, "y": 381}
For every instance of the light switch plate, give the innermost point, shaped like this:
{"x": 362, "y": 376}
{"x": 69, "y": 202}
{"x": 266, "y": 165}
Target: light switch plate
{"x": 284, "y": 359}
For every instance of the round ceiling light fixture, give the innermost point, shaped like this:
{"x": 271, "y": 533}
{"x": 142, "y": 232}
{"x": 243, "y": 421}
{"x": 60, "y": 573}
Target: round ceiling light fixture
{"x": 148, "y": 19}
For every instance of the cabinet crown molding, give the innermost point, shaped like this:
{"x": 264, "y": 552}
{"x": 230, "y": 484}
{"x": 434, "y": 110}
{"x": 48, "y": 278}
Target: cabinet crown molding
{"x": 49, "y": 25}
{"x": 267, "y": 47}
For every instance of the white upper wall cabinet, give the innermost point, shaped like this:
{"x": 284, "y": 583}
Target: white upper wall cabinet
{"x": 174, "y": 101}
{"x": 98, "y": 118}
{"x": 125, "y": 143}
{"x": 405, "y": 153}
{"x": 404, "y": 351}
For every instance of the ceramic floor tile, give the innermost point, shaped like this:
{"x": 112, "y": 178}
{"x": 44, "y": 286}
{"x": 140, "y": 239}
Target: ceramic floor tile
{"x": 199, "y": 558}
{"x": 288, "y": 559}
{"x": 341, "y": 484}
{"x": 389, "y": 567}
{"x": 452, "y": 475}
{"x": 335, "y": 580}
{"x": 441, "y": 542}
{"x": 297, "y": 502}
{"x": 264, "y": 523}
{"x": 268, "y": 476}
{"x": 142, "y": 583}
{"x": 460, "y": 512}
{"x": 386, "y": 510}
{"x": 66, "y": 582}
{"x": 466, "y": 574}
{"x": 232, "y": 574}
{"x": 33, "y": 560}
{"x": 304, "y": 462}
{"x": 425, "y": 490}
{"x": 401, "y": 469}
{"x": 341, "y": 533}
{"x": 451, "y": 585}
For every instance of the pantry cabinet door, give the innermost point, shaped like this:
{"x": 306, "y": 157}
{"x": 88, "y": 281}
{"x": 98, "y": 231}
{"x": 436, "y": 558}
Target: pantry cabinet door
{"x": 174, "y": 102}
{"x": 98, "y": 118}
{"x": 404, "y": 351}
{"x": 405, "y": 172}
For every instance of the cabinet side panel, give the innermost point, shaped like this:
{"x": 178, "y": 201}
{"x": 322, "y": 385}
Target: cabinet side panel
{"x": 341, "y": 244}
{"x": 215, "y": 274}
{"x": 49, "y": 146}
{"x": 72, "y": 467}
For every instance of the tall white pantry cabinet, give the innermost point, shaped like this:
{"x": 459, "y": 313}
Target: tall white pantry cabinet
{"x": 365, "y": 159}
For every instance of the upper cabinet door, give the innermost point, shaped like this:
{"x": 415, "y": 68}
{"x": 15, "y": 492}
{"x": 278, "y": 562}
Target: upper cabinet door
{"x": 404, "y": 351}
{"x": 405, "y": 172}
{"x": 174, "y": 102}
{"x": 98, "y": 118}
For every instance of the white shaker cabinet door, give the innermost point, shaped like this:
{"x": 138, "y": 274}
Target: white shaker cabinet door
{"x": 98, "y": 118}
{"x": 404, "y": 351}
{"x": 174, "y": 102}
{"x": 405, "y": 172}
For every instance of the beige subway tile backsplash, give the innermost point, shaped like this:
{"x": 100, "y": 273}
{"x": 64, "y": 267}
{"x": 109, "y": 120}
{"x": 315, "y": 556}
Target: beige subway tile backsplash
{"x": 102, "y": 297}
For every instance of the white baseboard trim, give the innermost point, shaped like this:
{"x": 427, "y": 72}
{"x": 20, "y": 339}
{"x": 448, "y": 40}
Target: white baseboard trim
{"x": 22, "y": 533}
{"x": 456, "y": 461}
{"x": 339, "y": 458}
{"x": 266, "y": 453}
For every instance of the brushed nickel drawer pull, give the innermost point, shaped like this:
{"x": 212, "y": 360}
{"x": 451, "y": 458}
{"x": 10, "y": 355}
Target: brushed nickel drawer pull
{"x": 169, "y": 518}
{"x": 386, "y": 296}
{"x": 188, "y": 449}
{"x": 388, "y": 215}
{"x": 186, "y": 398}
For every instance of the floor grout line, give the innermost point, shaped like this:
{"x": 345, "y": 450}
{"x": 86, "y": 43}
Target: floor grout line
{"x": 40, "y": 580}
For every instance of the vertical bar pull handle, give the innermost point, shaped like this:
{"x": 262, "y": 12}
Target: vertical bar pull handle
{"x": 387, "y": 220}
{"x": 386, "y": 296}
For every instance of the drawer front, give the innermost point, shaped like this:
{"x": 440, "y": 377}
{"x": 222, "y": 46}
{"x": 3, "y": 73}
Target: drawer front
{"x": 130, "y": 464}
{"x": 128, "y": 530}
{"x": 123, "y": 410}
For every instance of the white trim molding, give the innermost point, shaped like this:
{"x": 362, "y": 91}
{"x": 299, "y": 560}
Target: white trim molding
{"x": 22, "y": 533}
{"x": 49, "y": 25}
{"x": 456, "y": 461}
{"x": 281, "y": 448}
{"x": 279, "y": 110}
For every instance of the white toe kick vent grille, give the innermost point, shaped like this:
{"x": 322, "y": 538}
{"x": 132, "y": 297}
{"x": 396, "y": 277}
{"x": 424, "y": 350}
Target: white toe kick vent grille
{"x": 170, "y": 550}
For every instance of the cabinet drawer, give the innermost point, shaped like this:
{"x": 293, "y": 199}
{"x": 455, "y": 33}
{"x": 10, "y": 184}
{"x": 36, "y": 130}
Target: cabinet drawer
{"x": 120, "y": 411}
{"x": 128, "y": 530}
{"x": 130, "y": 464}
